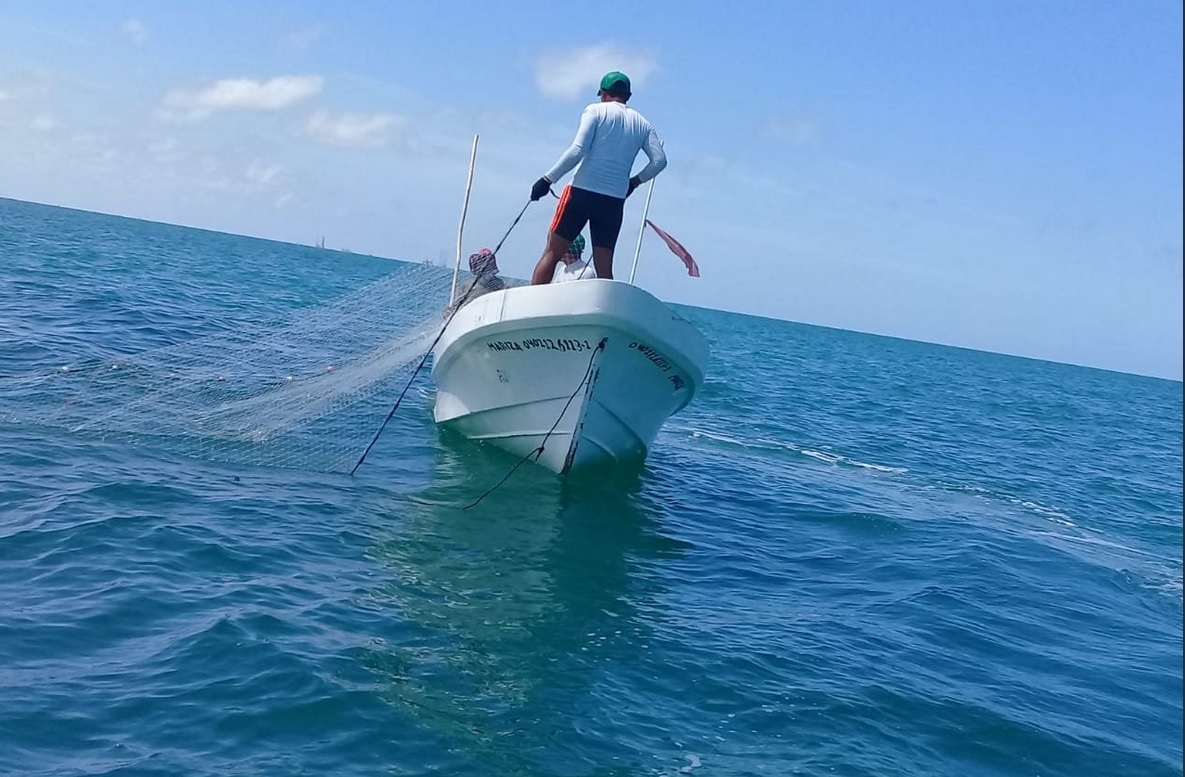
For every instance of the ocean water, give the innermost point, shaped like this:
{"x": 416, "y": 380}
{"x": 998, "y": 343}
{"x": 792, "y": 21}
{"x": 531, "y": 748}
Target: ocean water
{"x": 851, "y": 555}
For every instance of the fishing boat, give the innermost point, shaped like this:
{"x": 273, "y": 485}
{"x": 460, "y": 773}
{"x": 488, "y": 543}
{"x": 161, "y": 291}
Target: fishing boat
{"x": 570, "y": 375}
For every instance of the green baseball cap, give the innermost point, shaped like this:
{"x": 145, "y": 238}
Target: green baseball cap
{"x": 616, "y": 81}
{"x": 577, "y": 245}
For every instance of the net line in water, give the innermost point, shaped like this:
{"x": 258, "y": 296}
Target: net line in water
{"x": 305, "y": 392}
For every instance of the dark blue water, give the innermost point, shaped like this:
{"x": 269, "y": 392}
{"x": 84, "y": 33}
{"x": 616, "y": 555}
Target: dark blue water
{"x": 851, "y": 555}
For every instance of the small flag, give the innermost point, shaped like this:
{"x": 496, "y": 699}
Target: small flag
{"x": 678, "y": 249}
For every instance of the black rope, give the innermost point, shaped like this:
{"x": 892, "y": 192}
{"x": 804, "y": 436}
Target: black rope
{"x": 455, "y": 307}
{"x": 538, "y": 452}
{"x": 513, "y": 224}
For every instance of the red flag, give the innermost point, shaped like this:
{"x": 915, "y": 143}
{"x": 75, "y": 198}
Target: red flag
{"x": 678, "y": 249}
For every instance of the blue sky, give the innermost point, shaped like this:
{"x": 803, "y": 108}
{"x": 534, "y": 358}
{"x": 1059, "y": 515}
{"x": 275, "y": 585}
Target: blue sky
{"x": 999, "y": 175}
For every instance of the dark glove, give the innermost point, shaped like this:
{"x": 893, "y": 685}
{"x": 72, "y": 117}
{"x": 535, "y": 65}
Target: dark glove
{"x": 635, "y": 182}
{"x": 541, "y": 187}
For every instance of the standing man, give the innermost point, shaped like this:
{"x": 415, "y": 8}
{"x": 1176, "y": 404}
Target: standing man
{"x": 607, "y": 142}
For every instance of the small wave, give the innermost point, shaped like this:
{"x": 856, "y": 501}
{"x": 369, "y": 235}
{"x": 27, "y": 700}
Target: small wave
{"x": 1171, "y": 588}
{"x": 829, "y": 458}
{"x": 1057, "y": 516}
{"x": 1147, "y": 569}
{"x": 1140, "y": 568}
{"x": 1103, "y": 543}
{"x": 879, "y": 467}
{"x": 722, "y": 438}
{"x": 1160, "y": 582}
{"x": 759, "y": 443}
{"x": 835, "y": 458}
{"x": 1051, "y": 514}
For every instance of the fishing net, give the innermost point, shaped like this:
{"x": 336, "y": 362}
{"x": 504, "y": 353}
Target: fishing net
{"x": 307, "y": 391}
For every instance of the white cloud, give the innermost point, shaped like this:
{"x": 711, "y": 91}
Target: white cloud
{"x": 25, "y": 85}
{"x": 570, "y": 74}
{"x": 44, "y": 123}
{"x": 238, "y": 94}
{"x": 134, "y": 30}
{"x": 23, "y": 104}
{"x": 259, "y": 173}
{"x": 163, "y": 150}
{"x": 353, "y": 130}
{"x": 795, "y": 130}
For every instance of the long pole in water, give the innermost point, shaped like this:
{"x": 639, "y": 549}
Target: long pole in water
{"x": 642, "y": 229}
{"x": 461, "y": 228}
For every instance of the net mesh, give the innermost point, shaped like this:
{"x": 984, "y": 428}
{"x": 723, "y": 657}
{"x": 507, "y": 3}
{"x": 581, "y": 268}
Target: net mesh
{"x": 307, "y": 391}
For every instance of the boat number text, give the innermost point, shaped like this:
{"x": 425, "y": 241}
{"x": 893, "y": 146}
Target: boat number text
{"x": 658, "y": 360}
{"x": 537, "y": 343}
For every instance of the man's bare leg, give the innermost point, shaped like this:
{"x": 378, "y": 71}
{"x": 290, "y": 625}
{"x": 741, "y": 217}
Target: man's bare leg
{"x": 603, "y": 262}
{"x": 545, "y": 269}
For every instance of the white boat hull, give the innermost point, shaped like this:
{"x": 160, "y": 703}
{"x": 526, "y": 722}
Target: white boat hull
{"x": 572, "y": 374}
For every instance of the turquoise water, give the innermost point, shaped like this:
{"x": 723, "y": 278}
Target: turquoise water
{"x": 851, "y": 555}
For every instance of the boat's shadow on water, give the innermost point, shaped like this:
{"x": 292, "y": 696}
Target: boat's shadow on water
{"x": 515, "y": 607}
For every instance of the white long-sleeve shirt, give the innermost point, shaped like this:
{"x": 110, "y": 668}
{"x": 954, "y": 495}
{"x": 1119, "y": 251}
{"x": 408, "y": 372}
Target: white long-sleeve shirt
{"x": 607, "y": 142}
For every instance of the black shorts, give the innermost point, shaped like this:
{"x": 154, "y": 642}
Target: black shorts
{"x": 601, "y": 212}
